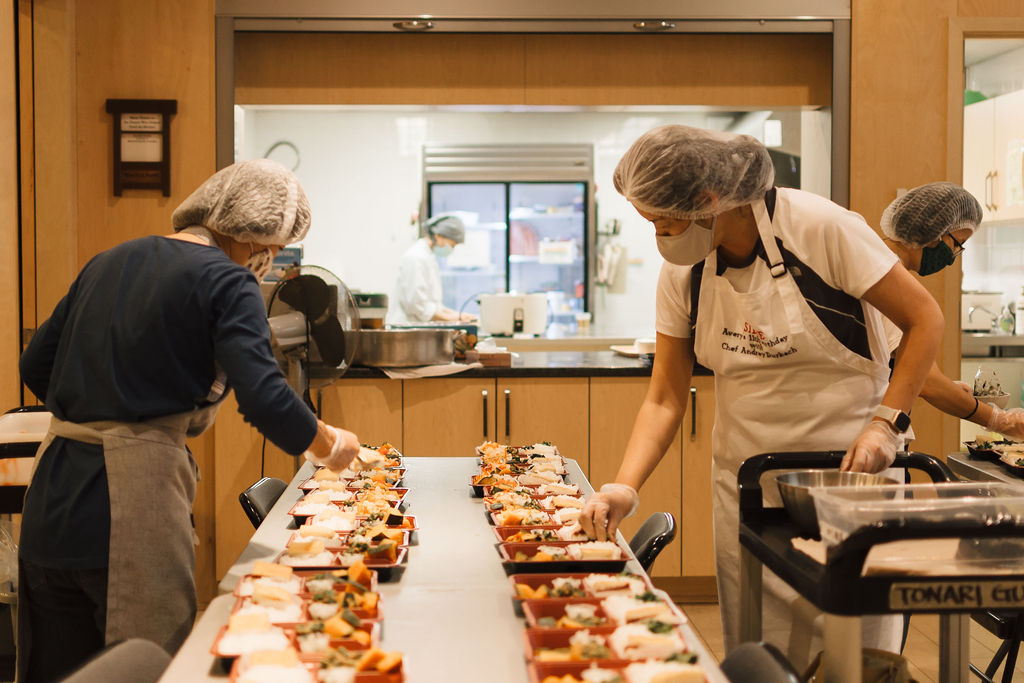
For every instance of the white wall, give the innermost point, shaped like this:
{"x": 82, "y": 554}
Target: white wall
{"x": 361, "y": 170}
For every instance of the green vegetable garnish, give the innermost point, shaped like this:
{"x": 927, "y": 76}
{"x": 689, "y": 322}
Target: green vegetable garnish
{"x": 655, "y": 626}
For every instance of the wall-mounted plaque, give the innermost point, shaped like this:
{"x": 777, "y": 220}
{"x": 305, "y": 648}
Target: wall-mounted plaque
{"x": 142, "y": 144}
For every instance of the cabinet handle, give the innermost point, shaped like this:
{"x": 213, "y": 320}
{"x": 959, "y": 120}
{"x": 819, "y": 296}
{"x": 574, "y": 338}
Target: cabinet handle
{"x": 484, "y": 394}
{"x": 413, "y": 25}
{"x": 693, "y": 413}
{"x": 995, "y": 177}
{"x": 508, "y": 401}
{"x": 988, "y": 190}
{"x": 653, "y": 26}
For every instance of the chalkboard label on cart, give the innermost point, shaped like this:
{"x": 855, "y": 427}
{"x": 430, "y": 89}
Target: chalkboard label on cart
{"x": 956, "y": 595}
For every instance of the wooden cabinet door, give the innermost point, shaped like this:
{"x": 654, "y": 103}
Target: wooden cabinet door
{"x": 447, "y": 416}
{"x": 554, "y": 409}
{"x": 695, "y": 527}
{"x": 614, "y": 402}
{"x": 978, "y": 144}
{"x": 372, "y": 408}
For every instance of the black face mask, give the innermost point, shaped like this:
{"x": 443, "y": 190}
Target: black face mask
{"x": 934, "y": 259}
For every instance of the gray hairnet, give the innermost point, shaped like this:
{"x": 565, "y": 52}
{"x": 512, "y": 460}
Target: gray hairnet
{"x": 928, "y": 212}
{"x": 250, "y": 201}
{"x": 447, "y": 225}
{"x": 690, "y": 173}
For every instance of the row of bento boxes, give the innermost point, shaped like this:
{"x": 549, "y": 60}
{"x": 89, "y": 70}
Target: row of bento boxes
{"x": 314, "y": 614}
{"x": 587, "y": 619}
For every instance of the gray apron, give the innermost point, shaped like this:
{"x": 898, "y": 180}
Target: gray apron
{"x": 152, "y": 479}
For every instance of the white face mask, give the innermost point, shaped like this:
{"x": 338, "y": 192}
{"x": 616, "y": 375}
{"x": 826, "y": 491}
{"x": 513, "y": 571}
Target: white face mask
{"x": 259, "y": 263}
{"x": 690, "y": 246}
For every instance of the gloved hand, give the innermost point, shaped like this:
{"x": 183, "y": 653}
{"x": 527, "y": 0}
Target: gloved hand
{"x": 1007, "y": 422}
{"x": 604, "y": 510}
{"x": 341, "y": 448}
{"x": 873, "y": 450}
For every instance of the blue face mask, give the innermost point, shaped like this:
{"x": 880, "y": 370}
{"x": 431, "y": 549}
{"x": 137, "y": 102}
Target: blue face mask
{"x": 442, "y": 250}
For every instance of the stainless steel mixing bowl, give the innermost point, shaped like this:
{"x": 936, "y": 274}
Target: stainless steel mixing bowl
{"x": 795, "y": 487}
{"x": 402, "y": 348}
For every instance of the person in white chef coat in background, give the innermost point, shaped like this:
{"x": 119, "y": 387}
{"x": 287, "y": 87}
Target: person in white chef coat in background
{"x": 778, "y": 291}
{"x": 927, "y": 228}
{"x": 418, "y": 290}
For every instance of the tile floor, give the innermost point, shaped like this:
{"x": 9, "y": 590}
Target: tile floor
{"x": 921, "y": 649}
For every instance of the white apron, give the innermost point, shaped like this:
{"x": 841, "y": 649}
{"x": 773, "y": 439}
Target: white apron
{"x": 782, "y": 383}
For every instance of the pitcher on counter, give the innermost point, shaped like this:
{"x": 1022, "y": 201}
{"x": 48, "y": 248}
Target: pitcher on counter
{"x": 778, "y": 291}
{"x": 135, "y": 358}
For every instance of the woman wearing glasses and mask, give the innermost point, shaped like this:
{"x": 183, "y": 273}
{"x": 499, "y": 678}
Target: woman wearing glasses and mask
{"x": 137, "y": 357}
{"x": 781, "y": 293}
{"x": 926, "y": 228}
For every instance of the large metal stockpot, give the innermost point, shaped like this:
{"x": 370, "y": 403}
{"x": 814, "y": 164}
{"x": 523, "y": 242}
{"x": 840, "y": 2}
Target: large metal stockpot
{"x": 403, "y": 348}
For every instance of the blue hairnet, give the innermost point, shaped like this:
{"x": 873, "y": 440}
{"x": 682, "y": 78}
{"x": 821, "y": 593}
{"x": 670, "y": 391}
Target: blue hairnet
{"x": 447, "y": 225}
{"x": 930, "y": 211}
{"x": 691, "y": 173}
{"x": 250, "y": 201}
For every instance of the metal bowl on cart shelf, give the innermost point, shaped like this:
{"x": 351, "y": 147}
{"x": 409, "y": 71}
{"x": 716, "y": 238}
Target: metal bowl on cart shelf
{"x": 795, "y": 488}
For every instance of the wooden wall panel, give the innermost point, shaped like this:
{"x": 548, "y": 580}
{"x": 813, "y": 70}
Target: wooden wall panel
{"x": 731, "y": 70}
{"x": 372, "y": 408}
{"x": 26, "y": 136}
{"x": 898, "y": 131}
{"x": 10, "y": 394}
{"x": 532, "y": 69}
{"x": 141, "y": 50}
{"x": 990, "y": 8}
{"x": 353, "y": 68}
{"x": 55, "y": 154}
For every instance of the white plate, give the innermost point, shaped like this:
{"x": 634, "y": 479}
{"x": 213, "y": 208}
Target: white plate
{"x": 622, "y": 349}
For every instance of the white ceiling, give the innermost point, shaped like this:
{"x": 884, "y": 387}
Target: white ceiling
{"x": 978, "y": 50}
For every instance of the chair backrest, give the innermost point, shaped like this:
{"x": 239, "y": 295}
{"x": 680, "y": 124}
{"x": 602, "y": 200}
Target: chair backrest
{"x": 657, "y": 532}
{"x": 260, "y": 497}
{"x": 758, "y": 662}
{"x": 131, "y": 661}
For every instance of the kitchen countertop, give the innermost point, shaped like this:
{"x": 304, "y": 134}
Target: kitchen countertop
{"x": 989, "y": 344}
{"x": 549, "y": 364}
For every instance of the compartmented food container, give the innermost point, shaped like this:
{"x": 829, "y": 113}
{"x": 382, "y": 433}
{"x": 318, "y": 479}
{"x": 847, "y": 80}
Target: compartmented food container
{"x": 841, "y": 511}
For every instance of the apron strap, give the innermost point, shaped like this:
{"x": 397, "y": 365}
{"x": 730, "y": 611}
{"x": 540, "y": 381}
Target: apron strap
{"x": 788, "y": 291}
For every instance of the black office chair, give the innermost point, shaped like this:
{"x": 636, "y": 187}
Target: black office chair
{"x": 647, "y": 543}
{"x": 260, "y": 497}
{"x": 130, "y": 661}
{"x": 759, "y": 662}
{"x": 1010, "y": 627}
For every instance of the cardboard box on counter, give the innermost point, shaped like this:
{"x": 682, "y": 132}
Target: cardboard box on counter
{"x": 489, "y": 358}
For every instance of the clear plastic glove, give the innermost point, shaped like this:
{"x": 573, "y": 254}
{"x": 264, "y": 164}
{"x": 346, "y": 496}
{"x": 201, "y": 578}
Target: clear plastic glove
{"x": 604, "y": 510}
{"x": 873, "y": 450}
{"x": 344, "y": 446}
{"x": 1007, "y": 422}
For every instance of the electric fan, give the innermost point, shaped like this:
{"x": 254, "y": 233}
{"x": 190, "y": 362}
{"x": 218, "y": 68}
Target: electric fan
{"x": 314, "y": 327}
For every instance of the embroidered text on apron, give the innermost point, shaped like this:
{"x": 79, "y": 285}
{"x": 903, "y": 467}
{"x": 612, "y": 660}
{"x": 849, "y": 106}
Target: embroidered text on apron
{"x": 782, "y": 383}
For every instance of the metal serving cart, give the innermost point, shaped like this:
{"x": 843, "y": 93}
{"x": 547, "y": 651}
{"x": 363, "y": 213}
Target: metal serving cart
{"x": 841, "y": 590}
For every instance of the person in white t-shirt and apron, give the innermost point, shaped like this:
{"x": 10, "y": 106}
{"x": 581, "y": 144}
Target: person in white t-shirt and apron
{"x": 792, "y": 289}
{"x": 926, "y": 228}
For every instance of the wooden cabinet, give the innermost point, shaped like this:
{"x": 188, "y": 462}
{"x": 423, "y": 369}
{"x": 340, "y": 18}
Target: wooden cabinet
{"x": 994, "y": 155}
{"x": 555, "y": 409}
{"x": 681, "y": 483}
{"x": 447, "y": 416}
{"x": 372, "y": 408}
{"x": 451, "y": 416}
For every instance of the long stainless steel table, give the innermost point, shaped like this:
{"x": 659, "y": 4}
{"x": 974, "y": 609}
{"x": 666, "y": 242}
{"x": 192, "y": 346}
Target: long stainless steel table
{"x": 451, "y": 612}
{"x": 966, "y": 467}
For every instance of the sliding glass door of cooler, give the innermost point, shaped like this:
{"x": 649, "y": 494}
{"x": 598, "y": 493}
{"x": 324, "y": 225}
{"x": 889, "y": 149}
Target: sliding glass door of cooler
{"x": 480, "y": 264}
{"x": 547, "y": 245}
{"x": 520, "y": 237}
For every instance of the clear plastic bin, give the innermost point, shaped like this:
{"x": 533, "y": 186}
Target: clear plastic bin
{"x": 843, "y": 510}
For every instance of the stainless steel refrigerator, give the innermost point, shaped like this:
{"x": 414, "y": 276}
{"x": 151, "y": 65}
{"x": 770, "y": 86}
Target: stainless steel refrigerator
{"x": 528, "y": 211}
